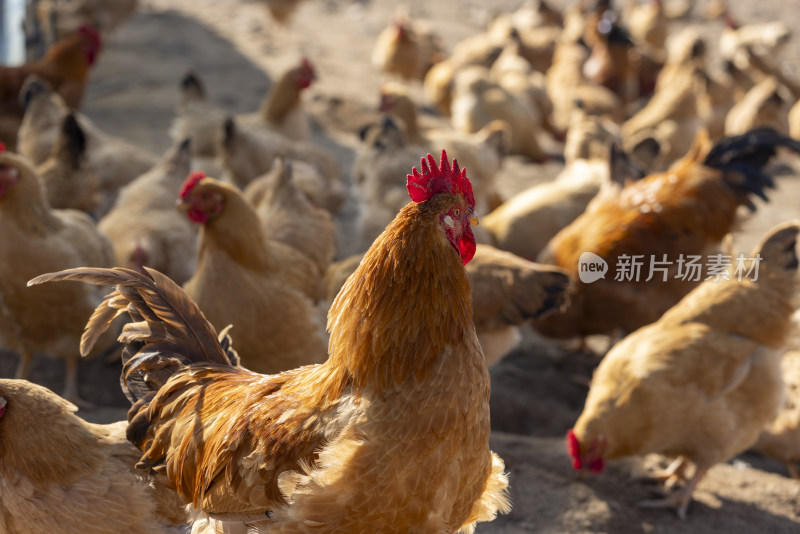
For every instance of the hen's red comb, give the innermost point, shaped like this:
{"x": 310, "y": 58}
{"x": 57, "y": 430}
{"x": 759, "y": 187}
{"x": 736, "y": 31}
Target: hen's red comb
{"x": 574, "y": 449}
{"x": 2, "y": 146}
{"x": 191, "y": 182}
{"x": 306, "y": 64}
{"x": 441, "y": 179}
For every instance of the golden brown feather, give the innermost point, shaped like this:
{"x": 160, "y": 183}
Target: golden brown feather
{"x": 366, "y": 440}
{"x": 685, "y": 211}
{"x": 41, "y": 239}
{"x": 263, "y": 287}
{"x": 61, "y": 474}
{"x": 702, "y": 381}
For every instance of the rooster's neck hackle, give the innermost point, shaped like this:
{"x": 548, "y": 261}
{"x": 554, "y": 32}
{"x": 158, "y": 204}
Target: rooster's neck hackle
{"x": 408, "y": 300}
{"x": 408, "y": 306}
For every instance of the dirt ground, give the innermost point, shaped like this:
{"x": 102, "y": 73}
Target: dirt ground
{"x": 538, "y": 390}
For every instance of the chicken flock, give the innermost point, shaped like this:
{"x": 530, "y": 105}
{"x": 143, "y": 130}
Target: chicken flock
{"x": 290, "y": 370}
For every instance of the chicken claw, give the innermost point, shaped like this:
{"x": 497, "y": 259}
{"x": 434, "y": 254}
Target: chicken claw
{"x": 674, "y": 474}
{"x": 678, "y": 499}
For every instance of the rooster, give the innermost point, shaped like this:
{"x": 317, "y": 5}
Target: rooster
{"x": 65, "y": 66}
{"x": 389, "y": 434}
{"x": 681, "y": 213}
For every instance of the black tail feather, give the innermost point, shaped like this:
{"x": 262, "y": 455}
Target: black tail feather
{"x": 742, "y": 159}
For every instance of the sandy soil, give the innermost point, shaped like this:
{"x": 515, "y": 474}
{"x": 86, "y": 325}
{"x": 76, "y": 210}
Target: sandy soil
{"x": 538, "y": 390}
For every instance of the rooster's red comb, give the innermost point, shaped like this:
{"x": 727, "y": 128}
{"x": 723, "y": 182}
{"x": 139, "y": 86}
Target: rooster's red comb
{"x": 441, "y": 179}
{"x": 190, "y": 183}
{"x": 2, "y": 146}
{"x": 574, "y": 449}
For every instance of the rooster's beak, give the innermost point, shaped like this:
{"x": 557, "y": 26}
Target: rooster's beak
{"x": 473, "y": 218}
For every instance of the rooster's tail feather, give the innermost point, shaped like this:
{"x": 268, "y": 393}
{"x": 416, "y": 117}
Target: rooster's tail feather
{"x": 168, "y": 331}
{"x": 742, "y": 159}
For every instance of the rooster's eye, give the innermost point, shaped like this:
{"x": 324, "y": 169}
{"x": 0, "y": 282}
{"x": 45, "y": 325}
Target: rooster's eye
{"x": 457, "y": 212}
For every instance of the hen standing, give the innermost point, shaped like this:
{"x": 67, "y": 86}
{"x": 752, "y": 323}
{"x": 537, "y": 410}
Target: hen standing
{"x": 263, "y": 287}
{"x": 144, "y": 226}
{"x": 288, "y": 216}
{"x": 781, "y": 438}
{"x": 34, "y": 239}
{"x": 702, "y": 381}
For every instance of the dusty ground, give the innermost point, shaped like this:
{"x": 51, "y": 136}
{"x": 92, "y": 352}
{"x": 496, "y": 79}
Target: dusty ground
{"x": 537, "y": 391}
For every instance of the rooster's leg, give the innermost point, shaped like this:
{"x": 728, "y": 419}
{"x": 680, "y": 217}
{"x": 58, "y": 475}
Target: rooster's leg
{"x": 24, "y": 366}
{"x": 678, "y": 499}
{"x": 71, "y": 385}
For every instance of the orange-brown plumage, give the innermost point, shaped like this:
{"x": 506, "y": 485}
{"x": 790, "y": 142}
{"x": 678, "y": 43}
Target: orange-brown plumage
{"x": 683, "y": 212}
{"x": 65, "y": 66}
{"x": 390, "y": 433}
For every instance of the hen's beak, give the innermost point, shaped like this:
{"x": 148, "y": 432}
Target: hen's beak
{"x": 473, "y": 218}
{"x": 181, "y": 205}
